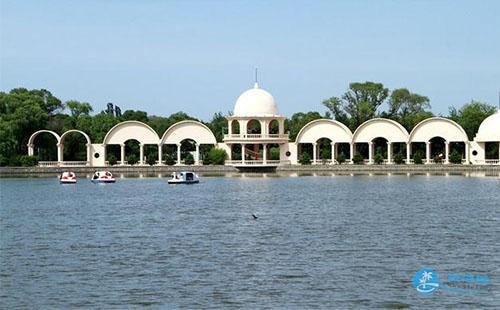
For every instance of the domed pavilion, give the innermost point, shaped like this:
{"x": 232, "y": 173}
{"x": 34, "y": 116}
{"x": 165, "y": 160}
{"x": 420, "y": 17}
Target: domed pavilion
{"x": 256, "y": 131}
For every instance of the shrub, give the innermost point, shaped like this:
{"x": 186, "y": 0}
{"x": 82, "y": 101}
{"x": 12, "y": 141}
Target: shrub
{"x": 379, "y": 159}
{"x": 169, "y": 159}
{"x": 437, "y": 159}
{"x": 151, "y": 160}
{"x": 341, "y": 158}
{"x": 189, "y": 160}
{"x": 274, "y": 153}
{"x": 399, "y": 159}
{"x": 215, "y": 156}
{"x": 112, "y": 159}
{"x": 417, "y": 159}
{"x": 132, "y": 159}
{"x": 28, "y": 161}
{"x": 455, "y": 157}
{"x": 358, "y": 159}
{"x": 305, "y": 159}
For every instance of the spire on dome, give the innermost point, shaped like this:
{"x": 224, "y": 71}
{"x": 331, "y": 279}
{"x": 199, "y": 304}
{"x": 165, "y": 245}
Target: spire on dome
{"x": 256, "y": 85}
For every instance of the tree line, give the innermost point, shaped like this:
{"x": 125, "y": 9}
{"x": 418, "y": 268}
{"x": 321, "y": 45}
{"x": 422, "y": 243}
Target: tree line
{"x": 23, "y": 111}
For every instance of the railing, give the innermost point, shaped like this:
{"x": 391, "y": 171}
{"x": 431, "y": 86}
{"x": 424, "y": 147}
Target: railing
{"x": 256, "y": 136}
{"x": 492, "y": 161}
{"x": 48, "y": 164}
{"x": 257, "y": 162}
{"x": 74, "y": 163}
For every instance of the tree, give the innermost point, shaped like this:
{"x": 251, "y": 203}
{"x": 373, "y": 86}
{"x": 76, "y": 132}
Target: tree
{"x": 218, "y": 125}
{"x": 407, "y": 108}
{"x": 215, "y": 156}
{"x": 131, "y": 115}
{"x": 305, "y": 159}
{"x": 358, "y": 104}
{"x": 78, "y": 108}
{"x": 471, "y": 115}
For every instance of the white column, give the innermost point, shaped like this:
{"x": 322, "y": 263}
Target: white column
{"x": 408, "y": 152}
{"x": 314, "y": 153}
{"x": 141, "y": 154}
{"x": 370, "y": 152}
{"x": 243, "y": 154}
{"x": 160, "y": 154}
{"x": 389, "y": 152}
{"x": 333, "y": 152}
{"x": 498, "y": 150}
{"x": 89, "y": 153}
{"x": 428, "y": 152}
{"x": 60, "y": 148}
{"x": 446, "y": 152}
{"x": 122, "y": 154}
{"x": 31, "y": 149}
{"x": 351, "y": 150}
{"x": 230, "y": 155}
{"x": 467, "y": 150}
{"x": 230, "y": 128}
{"x": 178, "y": 153}
{"x": 264, "y": 153}
{"x": 197, "y": 158}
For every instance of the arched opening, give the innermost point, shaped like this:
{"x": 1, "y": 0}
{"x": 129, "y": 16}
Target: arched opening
{"x": 150, "y": 154}
{"x": 235, "y": 127}
{"x": 112, "y": 154}
{"x": 437, "y": 150}
{"x": 74, "y": 146}
{"x": 188, "y": 151}
{"x": 323, "y": 151}
{"x": 380, "y": 150}
{"x": 45, "y": 147}
{"x": 417, "y": 152}
{"x": 169, "y": 152}
{"x": 132, "y": 151}
{"x": 491, "y": 150}
{"x": 254, "y": 127}
{"x": 361, "y": 150}
{"x": 274, "y": 127}
{"x": 305, "y": 153}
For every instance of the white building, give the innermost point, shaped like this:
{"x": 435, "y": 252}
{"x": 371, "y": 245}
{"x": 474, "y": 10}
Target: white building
{"x": 256, "y": 137}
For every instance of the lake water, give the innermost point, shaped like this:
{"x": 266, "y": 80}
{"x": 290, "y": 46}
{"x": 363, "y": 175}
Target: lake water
{"x": 318, "y": 242}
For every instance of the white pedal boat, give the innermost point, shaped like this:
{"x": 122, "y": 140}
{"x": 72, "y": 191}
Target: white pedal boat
{"x": 103, "y": 177}
{"x": 67, "y": 177}
{"x": 184, "y": 177}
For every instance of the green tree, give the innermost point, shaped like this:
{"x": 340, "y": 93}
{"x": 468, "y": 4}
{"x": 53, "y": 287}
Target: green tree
{"x": 471, "y": 115}
{"x": 77, "y": 108}
{"x": 215, "y": 156}
{"x": 131, "y": 115}
{"x": 358, "y": 104}
{"x": 218, "y": 125}
{"x": 408, "y": 108}
{"x": 305, "y": 159}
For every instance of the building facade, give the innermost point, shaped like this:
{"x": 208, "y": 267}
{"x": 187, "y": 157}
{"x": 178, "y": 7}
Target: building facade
{"x": 256, "y": 137}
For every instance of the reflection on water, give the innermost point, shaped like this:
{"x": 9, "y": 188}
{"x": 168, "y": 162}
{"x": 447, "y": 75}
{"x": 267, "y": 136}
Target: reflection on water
{"x": 338, "y": 241}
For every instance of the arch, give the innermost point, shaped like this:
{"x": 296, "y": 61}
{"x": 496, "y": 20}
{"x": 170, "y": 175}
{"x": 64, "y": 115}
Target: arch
{"x": 31, "y": 140}
{"x": 127, "y": 130}
{"x": 324, "y": 128}
{"x": 77, "y": 131}
{"x": 235, "y": 127}
{"x": 188, "y": 129}
{"x": 385, "y": 128}
{"x": 273, "y": 127}
{"x": 256, "y": 124}
{"x": 438, "y": 126}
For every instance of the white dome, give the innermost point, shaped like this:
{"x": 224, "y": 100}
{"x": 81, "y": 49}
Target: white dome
{"x": 255, "y": 102}
{"x": 489, "y": 129}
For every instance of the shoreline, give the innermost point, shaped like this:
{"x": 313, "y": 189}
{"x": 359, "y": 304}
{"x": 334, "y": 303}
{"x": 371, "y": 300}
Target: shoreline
{"x": 342, "y": 169}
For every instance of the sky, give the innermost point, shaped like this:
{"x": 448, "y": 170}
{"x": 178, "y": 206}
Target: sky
{"x": 199, "y": 56}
